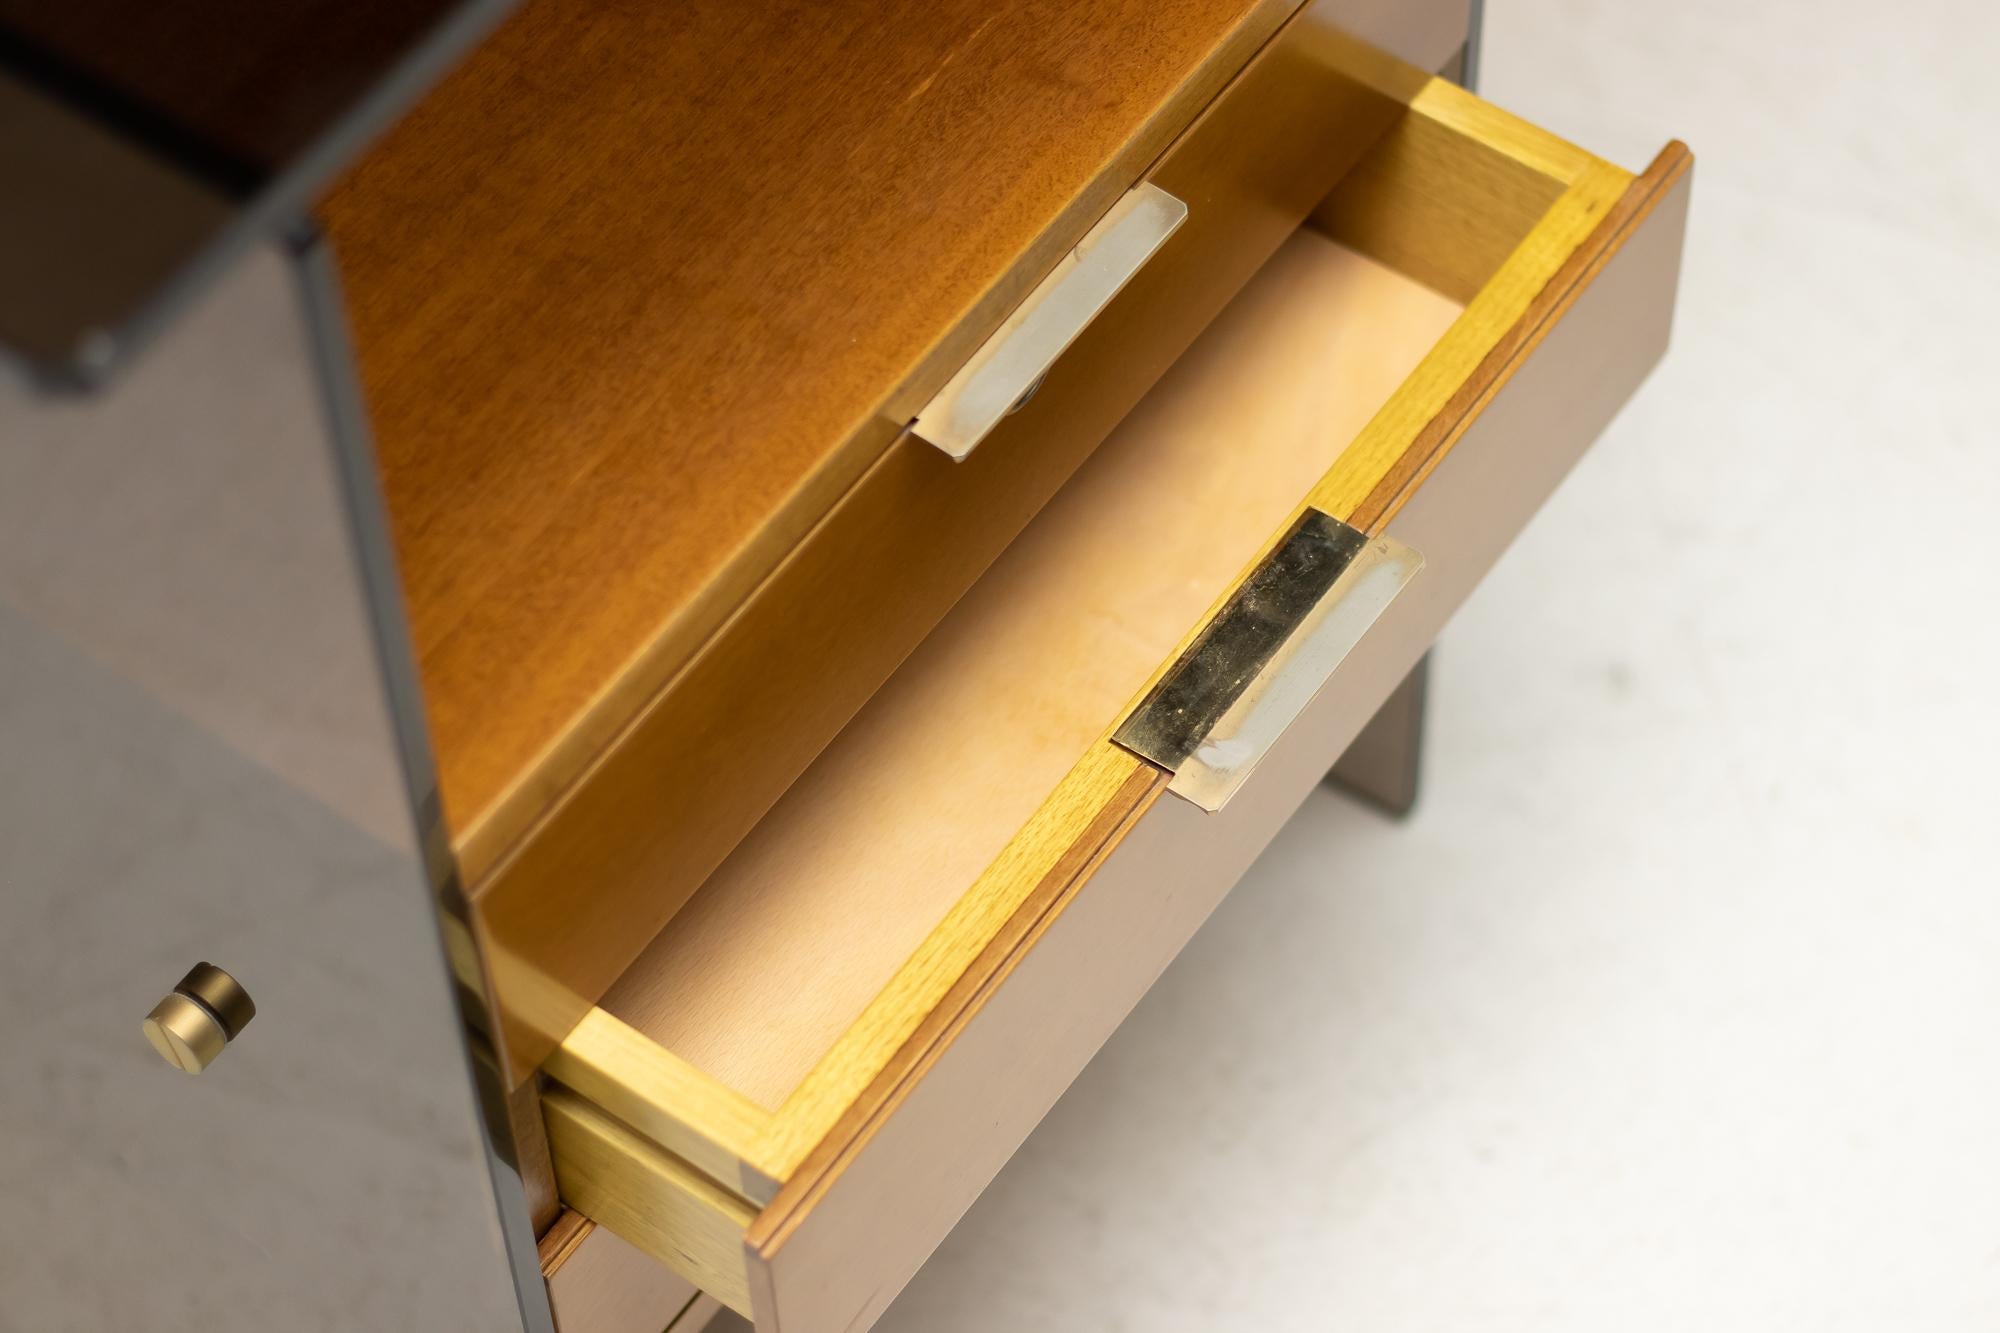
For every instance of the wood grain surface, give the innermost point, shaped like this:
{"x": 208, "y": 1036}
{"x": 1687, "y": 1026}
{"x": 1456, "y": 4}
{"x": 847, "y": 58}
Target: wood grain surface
{"x": 619, "y": 1180}
{"x": 642, "y": 289}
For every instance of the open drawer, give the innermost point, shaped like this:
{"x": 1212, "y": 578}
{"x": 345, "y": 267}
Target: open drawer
{"x": 820, "y": 1062}
{"x": 650, "y": 352}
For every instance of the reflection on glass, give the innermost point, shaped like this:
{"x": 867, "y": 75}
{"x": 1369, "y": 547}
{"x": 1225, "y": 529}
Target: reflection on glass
{"x": 199, "y": 762}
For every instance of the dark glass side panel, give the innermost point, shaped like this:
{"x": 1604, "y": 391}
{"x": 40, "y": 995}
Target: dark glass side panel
{"x": 206, "y": 756}
{"x": 234, "y": 88}
{"x": 142, "y": 145}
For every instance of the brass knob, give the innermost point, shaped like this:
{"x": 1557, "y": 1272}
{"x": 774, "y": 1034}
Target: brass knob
{"x": 204, "y": 1013}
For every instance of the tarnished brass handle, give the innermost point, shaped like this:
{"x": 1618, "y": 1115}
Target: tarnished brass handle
{"x": 1271, "y": 648}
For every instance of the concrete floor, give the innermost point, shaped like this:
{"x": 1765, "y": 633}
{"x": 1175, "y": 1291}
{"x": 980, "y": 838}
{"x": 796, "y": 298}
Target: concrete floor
{"x": 1677, "y": 1004}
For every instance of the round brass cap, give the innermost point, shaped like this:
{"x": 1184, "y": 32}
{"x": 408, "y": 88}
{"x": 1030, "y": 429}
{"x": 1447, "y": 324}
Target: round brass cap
{"x": 187, "y": 1036}
{"x": 221, "y": 995}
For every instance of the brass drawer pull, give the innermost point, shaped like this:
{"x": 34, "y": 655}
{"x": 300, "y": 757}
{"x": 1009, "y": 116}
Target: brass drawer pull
{"x": 1270, "y": 649}
{"x": 1009, "y": 366}
{"x": 202, "y": 1015}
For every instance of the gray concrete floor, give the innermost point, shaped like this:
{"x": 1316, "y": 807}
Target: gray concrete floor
{"x": 1677, "y": 1004}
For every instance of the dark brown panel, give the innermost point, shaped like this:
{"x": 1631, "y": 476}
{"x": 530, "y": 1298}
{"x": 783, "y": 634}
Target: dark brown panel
{"x": 238, "y": 88}
{"x": 642, "y": 289}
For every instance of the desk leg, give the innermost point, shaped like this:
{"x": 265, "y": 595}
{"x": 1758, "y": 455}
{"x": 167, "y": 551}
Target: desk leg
{"x": 1382, "y": 764}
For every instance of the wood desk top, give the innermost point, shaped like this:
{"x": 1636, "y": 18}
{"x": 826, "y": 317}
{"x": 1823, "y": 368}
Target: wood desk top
{"x": 641, "y": 289}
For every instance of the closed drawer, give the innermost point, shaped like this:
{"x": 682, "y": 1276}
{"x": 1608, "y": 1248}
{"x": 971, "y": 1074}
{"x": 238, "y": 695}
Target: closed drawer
{"x": 808, "y": 1076}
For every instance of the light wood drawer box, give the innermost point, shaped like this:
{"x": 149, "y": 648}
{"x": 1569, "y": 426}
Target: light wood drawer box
{"x": 807, "y": 1077}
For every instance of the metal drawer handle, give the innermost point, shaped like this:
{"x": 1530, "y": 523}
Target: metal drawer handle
{"x": 1270, "y": 649}
{"x": 1009, "y": 365}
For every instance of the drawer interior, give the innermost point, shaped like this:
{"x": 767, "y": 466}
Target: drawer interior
{"x": 783, "y": 948}
{"x": 853, "y": 922}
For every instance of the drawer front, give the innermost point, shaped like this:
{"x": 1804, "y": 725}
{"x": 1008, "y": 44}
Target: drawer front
{"x": 866, "y": 585}
{"x": 856, "y": 1221}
